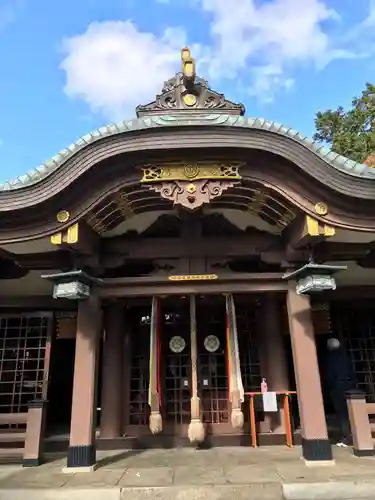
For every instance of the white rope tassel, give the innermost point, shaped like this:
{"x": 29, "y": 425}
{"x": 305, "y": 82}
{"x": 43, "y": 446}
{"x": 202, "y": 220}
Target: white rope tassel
{"x": 155, "y": 420}
{"x": 196, "y": 431}
{"x": 236, "y": 389}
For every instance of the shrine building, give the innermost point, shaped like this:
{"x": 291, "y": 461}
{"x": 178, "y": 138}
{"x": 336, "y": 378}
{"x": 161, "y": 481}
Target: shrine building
{"x": 154, "y": 272}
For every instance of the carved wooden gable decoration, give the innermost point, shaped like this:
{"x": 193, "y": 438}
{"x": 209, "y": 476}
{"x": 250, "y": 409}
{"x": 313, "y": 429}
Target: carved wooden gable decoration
{"x": 194, "y": 184}
{"x": 188, "y": 93}
{"x": 191, "y": 185}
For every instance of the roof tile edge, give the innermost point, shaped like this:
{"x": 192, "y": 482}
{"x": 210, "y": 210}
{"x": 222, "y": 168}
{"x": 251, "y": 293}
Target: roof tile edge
{"x": 45, "y": 170}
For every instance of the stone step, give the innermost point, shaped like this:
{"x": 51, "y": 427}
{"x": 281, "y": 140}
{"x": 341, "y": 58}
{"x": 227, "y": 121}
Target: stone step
{"x": 338, "y": 490}
{"x": 270, "y": 491}
{"x": 330, "y": 490}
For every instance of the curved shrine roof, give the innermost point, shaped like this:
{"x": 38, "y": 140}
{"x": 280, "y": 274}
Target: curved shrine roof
{"x": 185, "y": 101}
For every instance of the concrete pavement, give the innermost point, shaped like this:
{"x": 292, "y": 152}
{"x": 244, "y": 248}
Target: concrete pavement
{"x": 270, "y": 473}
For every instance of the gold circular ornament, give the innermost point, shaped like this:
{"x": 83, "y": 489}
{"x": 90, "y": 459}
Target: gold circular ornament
{"x": 321, "y": 209}
{"x": 63, "y": 216}
{"x": 191, "y": 189}
{"x": 191, "y": 171}
{"x": 190, "y": 99}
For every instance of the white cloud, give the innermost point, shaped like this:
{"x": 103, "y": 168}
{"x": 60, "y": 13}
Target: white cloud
{"x": 270, "y": 38}
{"x": 114, "y": 66}
{"x": 8, "y": 11}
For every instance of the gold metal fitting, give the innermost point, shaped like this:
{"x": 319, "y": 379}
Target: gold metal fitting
{"x": 63, "y": 216}
{"x": 321, "y": 209}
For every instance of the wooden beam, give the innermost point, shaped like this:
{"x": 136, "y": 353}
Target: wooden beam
{"x": 156, "y": 248}
{"x": 340, "y": 251}
{"x": 302, "y": 235}
{"x": 228, "y": 282}
{"x": 47, "y": 260}
{"x": 357, "y": 294}
{"x": 35, "y": 303}
{"x": 79, "y": 238}
{"x": 305, "y": 231}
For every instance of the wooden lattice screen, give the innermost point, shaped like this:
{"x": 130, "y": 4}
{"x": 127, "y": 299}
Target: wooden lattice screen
{"x": 24, "y": 359}
{"x": 246, "y": 315}
{"x": 354, "y": 323}
{"x": 212, "y": 366}
{"x": 139, "y": 378}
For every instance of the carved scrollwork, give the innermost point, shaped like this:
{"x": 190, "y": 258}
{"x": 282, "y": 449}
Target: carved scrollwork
{"x": 168, "y": 101}
{"x": 191, "y": 171}
{"x": 191, "y": 195}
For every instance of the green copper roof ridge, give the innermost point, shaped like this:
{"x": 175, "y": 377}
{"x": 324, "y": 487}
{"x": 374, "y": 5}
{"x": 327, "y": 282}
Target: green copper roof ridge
{"x": 337, "y": 161}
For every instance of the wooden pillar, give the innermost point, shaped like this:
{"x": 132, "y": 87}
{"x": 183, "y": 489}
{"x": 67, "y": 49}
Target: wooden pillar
{"x": 82, "y": 450}
{"x": 127, "y": 372}
{"x": 112, "y": 386}
{"x": 274, "y": 364}
{"x": 315, "y": 443}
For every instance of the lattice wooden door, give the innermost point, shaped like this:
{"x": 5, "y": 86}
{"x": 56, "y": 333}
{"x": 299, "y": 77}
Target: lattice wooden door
{"x": 140, "y": 354}
{"x": 246, "y": 315}
{"x": 212, "y": 360}
{"x": 176, "y": 363}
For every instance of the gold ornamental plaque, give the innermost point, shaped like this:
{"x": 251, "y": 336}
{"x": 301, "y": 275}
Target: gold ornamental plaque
{"x": 193, "y": 277}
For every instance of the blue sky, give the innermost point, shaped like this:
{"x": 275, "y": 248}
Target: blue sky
{"x": 69, "y": 67}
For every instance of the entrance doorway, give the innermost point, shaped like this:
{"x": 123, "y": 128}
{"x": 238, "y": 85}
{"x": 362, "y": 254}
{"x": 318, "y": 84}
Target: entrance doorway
{"x": 212, "y": 364}
{"x": 176, "y": 365}
{"x": 60, "y": 390}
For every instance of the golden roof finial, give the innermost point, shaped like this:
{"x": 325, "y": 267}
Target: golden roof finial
{"x": 188, "y": 64}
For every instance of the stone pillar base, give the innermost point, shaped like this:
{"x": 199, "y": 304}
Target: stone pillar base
{"x": 31, "y": 462}
{"x": 81, "y": 456}
{"x": 314, "y": 450}
{"x": 364, "y": 453}
{"x": 77, "y": 470}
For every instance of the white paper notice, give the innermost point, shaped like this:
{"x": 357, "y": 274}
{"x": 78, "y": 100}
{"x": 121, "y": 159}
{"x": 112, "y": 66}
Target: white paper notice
{"x": 269, "y": 401}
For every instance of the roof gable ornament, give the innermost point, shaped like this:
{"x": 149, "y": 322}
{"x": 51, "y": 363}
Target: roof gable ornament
{"x": 188, "y": 93}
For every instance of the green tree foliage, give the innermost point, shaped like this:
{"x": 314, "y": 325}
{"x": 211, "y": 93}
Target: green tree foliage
{"x": 350, "y": 132}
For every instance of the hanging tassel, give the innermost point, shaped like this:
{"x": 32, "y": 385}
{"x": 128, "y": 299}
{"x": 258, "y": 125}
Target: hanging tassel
{"x": 155, "y": 420}
{"x": 196, "y": 431}
{"x": 237, "y": 418}
{"x": 236, "y": 391}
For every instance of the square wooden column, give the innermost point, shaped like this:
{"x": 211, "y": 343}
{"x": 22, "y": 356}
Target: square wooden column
{"x": 112, "y": 375}
{"x": 273, "y": 360}
{"x": 315, "y": 443}
{"x": 82, "y": 450}
{"x": 127, "y": 373}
